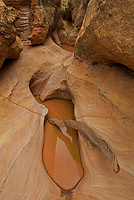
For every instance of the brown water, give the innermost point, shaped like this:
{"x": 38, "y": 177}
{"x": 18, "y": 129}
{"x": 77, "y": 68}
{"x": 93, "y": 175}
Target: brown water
{"x": 61, "y": 149}
{"x": 67, "y": 47}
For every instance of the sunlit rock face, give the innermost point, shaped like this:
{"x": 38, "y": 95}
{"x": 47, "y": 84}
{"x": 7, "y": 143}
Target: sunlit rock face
{"x": 23, "y": 24}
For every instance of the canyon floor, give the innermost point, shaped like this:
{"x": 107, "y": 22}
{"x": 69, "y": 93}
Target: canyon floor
{"x": 103, "y": 99}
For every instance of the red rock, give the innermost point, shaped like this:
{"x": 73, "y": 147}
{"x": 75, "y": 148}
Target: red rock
{"x": 106, "y": 34}
{"x": 8, "y": 33}
{"x": 15, "y": 49}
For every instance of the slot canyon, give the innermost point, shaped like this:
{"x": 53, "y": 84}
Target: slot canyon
{"x": 66, "y": 100}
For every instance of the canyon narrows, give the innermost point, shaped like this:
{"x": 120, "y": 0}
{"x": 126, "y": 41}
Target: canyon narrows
{"x": 95, "y": 84}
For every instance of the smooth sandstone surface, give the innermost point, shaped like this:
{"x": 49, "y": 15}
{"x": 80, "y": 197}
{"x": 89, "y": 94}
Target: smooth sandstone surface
{"x": 22, "y": 173}
{"x": 103, "y": 99}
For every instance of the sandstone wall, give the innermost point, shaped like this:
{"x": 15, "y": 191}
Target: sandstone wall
{"x": 64, "y": 16}
{"x": 107, "y": 33}
{"x": 10, "y": 45}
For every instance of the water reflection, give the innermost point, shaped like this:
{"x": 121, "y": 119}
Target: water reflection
{"x": 61, "y": 150}
{"x": 64, "y": 131}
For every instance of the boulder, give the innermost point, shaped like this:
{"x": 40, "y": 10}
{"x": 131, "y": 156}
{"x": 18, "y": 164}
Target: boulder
{"x": 106, "y": 34}
{"x": 15, "y": 49}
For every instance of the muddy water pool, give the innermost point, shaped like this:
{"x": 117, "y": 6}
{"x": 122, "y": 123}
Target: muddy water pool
{"x": 61, "y": 153}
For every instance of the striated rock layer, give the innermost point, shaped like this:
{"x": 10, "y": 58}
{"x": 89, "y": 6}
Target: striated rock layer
{"x": 102, "y": 97}
{"x": 23, "y": 25}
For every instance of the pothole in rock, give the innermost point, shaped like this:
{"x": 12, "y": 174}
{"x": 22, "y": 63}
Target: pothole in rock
{"x": 61, "y": 155}
{"x": 61, "y": 152}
